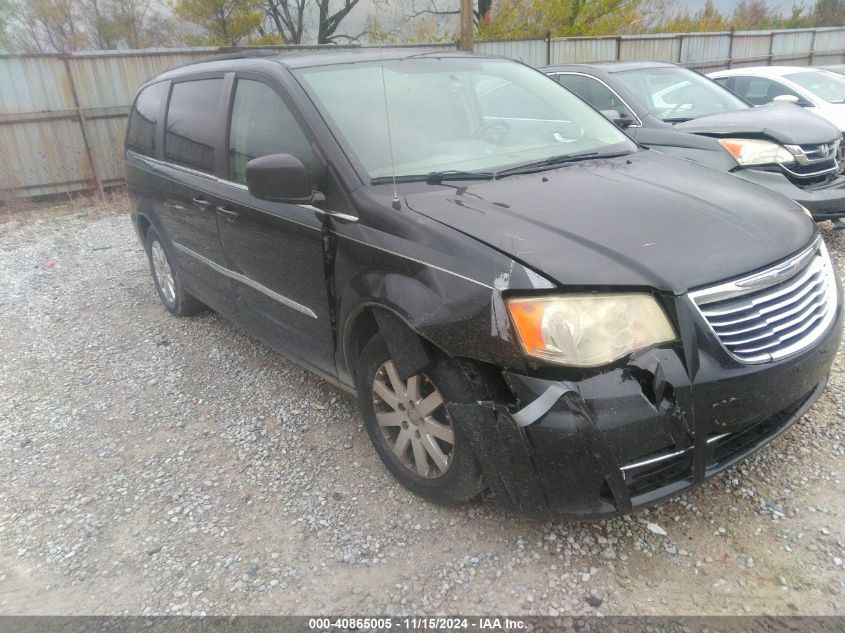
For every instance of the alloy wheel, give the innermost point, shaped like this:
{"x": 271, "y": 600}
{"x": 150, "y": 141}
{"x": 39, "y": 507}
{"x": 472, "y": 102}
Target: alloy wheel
{"x": 413, "y": 421}
{"x": 163, "y": 272}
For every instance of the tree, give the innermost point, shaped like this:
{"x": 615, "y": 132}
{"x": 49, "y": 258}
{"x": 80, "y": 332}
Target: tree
{"x": 288, "y": 19}
{"x": 329, "y": 21}
{"x": 829, "y": 13}
{"x": 754, "y": 14}
{"x": 222, "y": 22}
{"x": 6, "y": 18}
{"x": 518, "y": 19}
{"x": 39, "y": 26}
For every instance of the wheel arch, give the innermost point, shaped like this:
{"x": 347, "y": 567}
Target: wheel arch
{"x": 407, "y": 345}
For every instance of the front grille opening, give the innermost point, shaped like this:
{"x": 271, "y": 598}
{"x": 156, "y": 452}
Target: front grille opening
{"x": 778, "y": 320}
{"x": 663, "y": 472}
{"x": 730, "y": 447}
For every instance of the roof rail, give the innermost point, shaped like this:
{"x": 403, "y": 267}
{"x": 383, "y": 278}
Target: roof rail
{"x": 244, "y": 54}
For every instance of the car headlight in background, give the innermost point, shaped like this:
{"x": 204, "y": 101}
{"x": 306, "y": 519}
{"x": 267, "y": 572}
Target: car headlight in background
{"x": 748, "y": 151}
{"x": 587, "y": 330}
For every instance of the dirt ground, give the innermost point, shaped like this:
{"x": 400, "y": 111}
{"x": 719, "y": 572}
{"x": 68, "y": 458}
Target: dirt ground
{"x": 156, "y": 465}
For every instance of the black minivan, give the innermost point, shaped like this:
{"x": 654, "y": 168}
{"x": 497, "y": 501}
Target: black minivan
{"x": 522, "y": 298}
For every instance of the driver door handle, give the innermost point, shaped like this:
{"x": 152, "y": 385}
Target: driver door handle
{"x": 230, "y": 214}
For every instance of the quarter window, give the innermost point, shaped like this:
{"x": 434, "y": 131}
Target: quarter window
{"x": 141, "y": 131}
{"x": 192, "y": 123}
{"x": 262, "y": 124}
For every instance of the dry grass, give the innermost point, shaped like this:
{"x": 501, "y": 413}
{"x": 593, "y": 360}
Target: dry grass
{"x": 93, "y": 206}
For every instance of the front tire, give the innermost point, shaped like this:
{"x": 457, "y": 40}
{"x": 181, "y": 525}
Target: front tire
{"x": 167, "y": 281}
{"x": 410, "y": 426}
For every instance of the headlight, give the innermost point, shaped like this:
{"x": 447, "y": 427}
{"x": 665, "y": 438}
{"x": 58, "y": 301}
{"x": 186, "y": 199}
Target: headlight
{"x": 586, "y": 330}
{"x": 748, "y": 151}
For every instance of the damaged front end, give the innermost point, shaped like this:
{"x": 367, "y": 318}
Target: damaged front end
{"x": 615, "y": 439}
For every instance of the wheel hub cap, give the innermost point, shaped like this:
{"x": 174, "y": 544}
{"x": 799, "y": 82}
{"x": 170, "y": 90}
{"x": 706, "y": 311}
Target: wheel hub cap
{"x": 413, "y": 421}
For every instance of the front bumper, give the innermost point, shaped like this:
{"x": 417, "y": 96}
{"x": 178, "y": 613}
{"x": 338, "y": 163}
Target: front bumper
{"x": 632, "y": 435}
{"x": 825, "y": 202}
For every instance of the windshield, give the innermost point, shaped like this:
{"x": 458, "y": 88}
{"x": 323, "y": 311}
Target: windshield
{"x": 822, "y": 83}
{"x": 452, "y": 114}
{"x": 678, "y": 94}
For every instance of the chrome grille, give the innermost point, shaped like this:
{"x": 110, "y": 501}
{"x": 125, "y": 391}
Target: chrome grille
{"x": 812, "y": 161}
{"x": 773, "y": 314}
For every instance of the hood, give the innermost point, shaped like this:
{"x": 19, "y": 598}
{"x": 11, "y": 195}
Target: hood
{"x": 645, "y": 220}
{"x": 785, "y": 123}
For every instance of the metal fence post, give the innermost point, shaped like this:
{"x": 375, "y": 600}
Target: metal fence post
{"x": 618, "y": 47}
{"x": 548, "y": 48}
{"x": 771, "y": 47}
{"x": 680, "y": 48}
{"x": 731, "y": 48}
{"x": 80, "y": 114}
{"x": 812, "y": 56}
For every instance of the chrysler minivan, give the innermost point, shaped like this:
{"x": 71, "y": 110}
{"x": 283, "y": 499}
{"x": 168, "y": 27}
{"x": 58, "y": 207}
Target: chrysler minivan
{"x": 523, "y": 299}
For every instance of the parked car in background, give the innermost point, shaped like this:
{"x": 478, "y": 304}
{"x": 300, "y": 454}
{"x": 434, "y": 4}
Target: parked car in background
{"x": 681, "y": 112}
{"x": 522, "y": 298}
{"x": 819, "y": 91}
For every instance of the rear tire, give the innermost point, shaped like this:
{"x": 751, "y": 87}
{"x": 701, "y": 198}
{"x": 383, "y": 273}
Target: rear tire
{"x": 166, "y": 279}
{"x": 410, "y": 427}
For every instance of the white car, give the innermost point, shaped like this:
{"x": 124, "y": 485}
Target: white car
{"x": 820, "y": 91}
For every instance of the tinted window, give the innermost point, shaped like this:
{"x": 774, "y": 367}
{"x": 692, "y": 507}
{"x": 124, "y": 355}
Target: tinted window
{"x": 760, "y": 91}
{"x": 595, "y": 93}
{"x": 262, "y": 124}
{"x": 141, "y": 132}
{"x": 192, "y": 123}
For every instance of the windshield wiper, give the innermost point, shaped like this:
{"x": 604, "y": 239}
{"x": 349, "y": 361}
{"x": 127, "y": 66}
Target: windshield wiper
{"x": 436, "y": 177}
{"x": 553, "y": 161}
{"x": 678, "y": 119}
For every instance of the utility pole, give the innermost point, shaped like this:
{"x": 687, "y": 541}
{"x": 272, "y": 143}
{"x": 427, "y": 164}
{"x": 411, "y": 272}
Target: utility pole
{"x": 467, "y": 25}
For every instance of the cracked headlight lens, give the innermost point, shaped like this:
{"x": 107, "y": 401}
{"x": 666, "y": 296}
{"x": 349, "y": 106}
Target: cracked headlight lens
{"x": 587, "y": 330}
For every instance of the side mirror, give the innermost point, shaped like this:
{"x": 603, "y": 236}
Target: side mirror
{"x": 617, "y": 118}
{"x": 786, "y": 99}
{"x": 279, "y": 178}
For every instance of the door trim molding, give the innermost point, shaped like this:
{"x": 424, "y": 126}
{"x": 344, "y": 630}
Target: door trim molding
{"x": 231, "y": 274}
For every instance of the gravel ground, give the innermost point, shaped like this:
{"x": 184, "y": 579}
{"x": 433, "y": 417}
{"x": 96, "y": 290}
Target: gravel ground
{"x": 155, "y": 465}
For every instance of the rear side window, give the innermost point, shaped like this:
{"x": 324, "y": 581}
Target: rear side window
{"x": 192, "y": 123}
{"x": 141, "y": 131}
{"x": 262, "y": 124}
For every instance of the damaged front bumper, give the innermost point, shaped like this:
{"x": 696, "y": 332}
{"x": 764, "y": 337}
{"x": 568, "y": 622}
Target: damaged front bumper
{"x": 825, "y": 201}
{"x": 621, "y": 438}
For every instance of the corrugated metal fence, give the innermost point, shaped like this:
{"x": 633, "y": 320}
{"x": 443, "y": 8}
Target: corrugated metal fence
{"x": 62, "y": 117}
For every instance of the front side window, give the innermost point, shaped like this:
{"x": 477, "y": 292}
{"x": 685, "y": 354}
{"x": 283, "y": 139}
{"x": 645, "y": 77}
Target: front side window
{"x": 141, "y": 130}
{"x": 822, "y": 83}
{"x": 759, "y": 90}
{"x": 262, "y": 124}
{"x": 676, "y": 94}
{"x": 449, "y": 113}
{"x": 595, "y": 93}
{"x": 192, "y": 123}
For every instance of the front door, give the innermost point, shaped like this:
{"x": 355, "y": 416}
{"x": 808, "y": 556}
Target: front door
{"x": 275, "y": 249}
